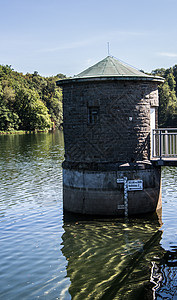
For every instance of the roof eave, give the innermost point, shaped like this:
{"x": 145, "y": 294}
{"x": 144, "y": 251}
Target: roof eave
{"x": 110, "y": 78}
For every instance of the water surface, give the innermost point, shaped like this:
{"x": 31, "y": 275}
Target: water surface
{"x": 47, "y": 255}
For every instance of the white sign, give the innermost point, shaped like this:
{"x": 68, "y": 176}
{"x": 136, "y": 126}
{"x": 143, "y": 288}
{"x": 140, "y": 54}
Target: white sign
{"x": 135, "y": 185}
{"x": 120, "y": 180}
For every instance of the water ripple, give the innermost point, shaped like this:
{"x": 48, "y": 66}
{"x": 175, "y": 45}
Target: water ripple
{"x": 47, "y": 255}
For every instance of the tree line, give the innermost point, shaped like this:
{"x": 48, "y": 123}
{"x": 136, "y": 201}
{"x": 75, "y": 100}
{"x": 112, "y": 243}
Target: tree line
{"x": 167, "y": 97}
{"x": 32, "y": 102}
{"x": 29, "y": 102}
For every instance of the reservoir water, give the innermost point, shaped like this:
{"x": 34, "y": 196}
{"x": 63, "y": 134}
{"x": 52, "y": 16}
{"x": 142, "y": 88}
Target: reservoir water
{"x": 45, "y": 254}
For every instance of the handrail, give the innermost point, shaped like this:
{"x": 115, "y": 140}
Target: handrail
{"x": 165, "y": 129}
{"x": 164, "y": 143}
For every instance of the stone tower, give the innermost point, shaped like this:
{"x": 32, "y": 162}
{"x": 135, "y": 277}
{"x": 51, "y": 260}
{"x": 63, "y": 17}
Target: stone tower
{"x": 109, "y": 112}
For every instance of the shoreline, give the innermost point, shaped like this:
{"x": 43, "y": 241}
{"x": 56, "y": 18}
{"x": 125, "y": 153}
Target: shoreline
{"x": 24, "y": 132}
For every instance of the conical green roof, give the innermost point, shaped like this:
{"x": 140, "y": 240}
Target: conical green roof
{"x": 111, "y": 69}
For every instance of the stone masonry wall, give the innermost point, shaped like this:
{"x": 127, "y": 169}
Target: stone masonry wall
{"x": 121, "y": 129}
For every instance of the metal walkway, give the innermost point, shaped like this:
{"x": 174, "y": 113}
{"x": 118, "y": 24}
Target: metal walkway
{"x": 164, "y": 147}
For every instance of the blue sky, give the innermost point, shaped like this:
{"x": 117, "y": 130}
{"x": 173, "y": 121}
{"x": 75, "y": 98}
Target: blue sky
{"x": 54, "y": 36}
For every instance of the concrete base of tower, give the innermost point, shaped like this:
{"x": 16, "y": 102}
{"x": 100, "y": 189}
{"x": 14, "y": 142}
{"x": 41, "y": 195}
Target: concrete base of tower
{"x": 98, "y": 192}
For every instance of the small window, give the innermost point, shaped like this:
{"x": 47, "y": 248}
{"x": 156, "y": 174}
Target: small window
{"x": 93, "y": 115}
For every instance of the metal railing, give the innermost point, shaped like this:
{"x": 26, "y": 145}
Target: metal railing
{"x": 164, "y": 143}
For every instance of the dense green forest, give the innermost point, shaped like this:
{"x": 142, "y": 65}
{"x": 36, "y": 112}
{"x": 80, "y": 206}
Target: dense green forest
{"x": 29, "y": 102}
{"x": 167, "y": 97}
{"x": 32, "y": 102}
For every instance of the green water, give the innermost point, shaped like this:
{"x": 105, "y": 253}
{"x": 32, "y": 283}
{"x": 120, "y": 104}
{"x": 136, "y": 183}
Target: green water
{"x": 47, "y": 255}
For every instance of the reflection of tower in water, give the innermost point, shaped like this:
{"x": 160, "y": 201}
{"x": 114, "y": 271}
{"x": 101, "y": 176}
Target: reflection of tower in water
{"x": 111, "y": 259}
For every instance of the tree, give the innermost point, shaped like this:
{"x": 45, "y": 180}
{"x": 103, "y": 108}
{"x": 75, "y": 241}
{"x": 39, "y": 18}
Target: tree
{"x": 167, "y": 97}
{"x": 30, "y": 101}
{"x": 8, "y": 120}
{"x": 61, "y": 76}
{"x": 31, "y": 111}
{"x": 159, "y": 72}
{"x": 167, "y": 105}
{"x": 171, "y": 81}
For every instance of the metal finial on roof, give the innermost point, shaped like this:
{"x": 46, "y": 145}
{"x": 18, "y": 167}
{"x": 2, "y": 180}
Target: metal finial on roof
{"x": 108, "y": 50}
